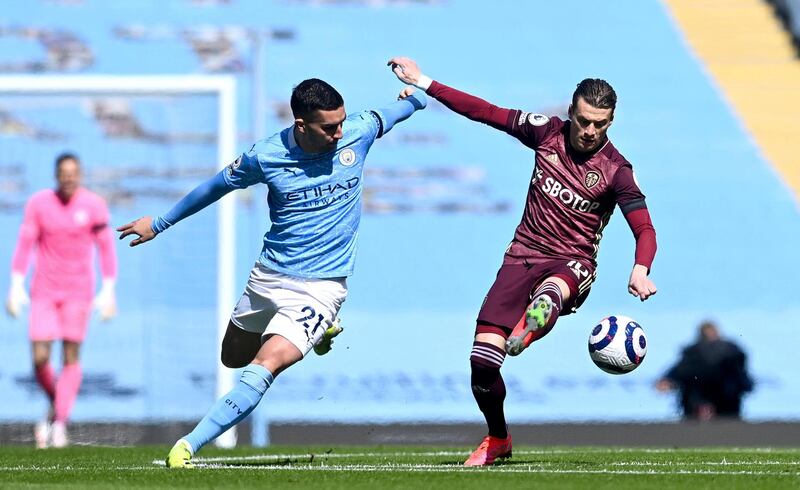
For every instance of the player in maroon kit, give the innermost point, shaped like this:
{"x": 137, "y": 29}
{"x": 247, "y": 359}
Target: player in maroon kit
{"x": 548, "y": 269}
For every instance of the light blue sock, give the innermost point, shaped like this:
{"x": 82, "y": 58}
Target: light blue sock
{"x": 233, "y": 407}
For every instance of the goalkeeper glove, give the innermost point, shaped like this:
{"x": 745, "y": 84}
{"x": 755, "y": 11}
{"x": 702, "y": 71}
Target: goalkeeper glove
{"x": 105, "y": 302}
{"x": 17, "y": 296}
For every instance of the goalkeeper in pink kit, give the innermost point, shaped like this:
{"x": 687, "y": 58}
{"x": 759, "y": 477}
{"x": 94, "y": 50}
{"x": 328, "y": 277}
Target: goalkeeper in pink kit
{"x": 61, "y": 227}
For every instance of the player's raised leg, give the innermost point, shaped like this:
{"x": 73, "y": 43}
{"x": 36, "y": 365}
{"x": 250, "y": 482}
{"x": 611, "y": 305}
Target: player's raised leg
{"x": 540, "y": 316}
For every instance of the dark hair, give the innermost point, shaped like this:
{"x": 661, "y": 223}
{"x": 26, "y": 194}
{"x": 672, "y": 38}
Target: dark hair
{"x": 314, "y": 95}
{"x": 597, "y": 93}
{"x": 61, "y": 158}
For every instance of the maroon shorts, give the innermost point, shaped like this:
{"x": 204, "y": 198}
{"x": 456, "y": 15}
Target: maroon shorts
{"x": 510, "y": 295}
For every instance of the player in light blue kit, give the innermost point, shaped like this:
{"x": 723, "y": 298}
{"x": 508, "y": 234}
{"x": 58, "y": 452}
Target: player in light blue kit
{"x": 314, "y": 171}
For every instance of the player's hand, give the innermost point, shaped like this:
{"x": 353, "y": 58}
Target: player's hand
{"x": 142, "y": 228}
{"x": 639, "y": 284}
{"x": 106, "y": 302}
{"x": 406, "y": 92}
{"x": 17, "y": 296}
{"x": 406, "y": 69}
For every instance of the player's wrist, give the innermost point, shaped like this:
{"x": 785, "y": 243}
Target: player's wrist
{"x": 418, "y": 100}
{"x": 423, "y": 82}
{"x": 158, "y": 225}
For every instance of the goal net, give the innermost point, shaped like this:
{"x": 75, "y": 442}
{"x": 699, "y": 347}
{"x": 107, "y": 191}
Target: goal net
{"x": 143, "y": 142}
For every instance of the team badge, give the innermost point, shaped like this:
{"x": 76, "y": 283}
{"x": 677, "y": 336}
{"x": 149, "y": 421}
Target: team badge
{"x": 591, "y": 179}
{"x": 537, "y": 119}
{"x": 552, "y": 158}
{"x": 81, "y": 217}
{"x": 347, "y": 157}
{"x": 234, "y": 165}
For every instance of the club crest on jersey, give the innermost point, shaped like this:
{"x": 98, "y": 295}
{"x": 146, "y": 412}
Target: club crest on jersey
{"x": 81, "y": 217}
{"x": 552, "y": 158}
{"x": 537, "y": 119}
{"x": 591, "y": 179}
{"x": 347, "y": 157}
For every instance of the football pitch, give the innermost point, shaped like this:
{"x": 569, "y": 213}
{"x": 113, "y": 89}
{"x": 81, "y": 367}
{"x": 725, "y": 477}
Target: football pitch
{"x": 350, "y": 467}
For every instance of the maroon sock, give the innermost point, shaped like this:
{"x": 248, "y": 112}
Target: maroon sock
{"x": 47, "y": 379}
{"x": 488, "y": 386}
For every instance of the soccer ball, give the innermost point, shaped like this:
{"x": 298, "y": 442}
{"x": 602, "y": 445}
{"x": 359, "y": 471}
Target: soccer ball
{"x": 617, "y": 345}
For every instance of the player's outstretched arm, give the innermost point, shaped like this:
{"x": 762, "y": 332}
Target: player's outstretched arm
{"x": 477, "y": 109}
{"x": 408, "y": 102}
{"x": 146, "y": 228}
{"x": 639, "y": 284}
{"x": 632, "y": 204}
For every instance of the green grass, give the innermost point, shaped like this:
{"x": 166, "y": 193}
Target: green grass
{"x": 402, "y": 467}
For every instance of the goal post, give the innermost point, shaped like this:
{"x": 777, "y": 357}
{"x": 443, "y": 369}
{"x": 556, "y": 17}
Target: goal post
{"x": 34, "y": 89}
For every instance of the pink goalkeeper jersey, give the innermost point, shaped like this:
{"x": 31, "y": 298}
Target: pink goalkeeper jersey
{"x": 64, "y": 236}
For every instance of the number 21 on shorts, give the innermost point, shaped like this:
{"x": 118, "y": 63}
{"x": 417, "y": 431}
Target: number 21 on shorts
{"x": 312, "y": 321}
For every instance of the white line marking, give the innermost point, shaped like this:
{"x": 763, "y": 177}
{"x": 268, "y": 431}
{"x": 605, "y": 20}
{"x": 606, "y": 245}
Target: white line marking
{"x": 702, "y": 463}
{"x": 317, "y": 462}
{"x": 671, "y": 469}
{"x": 397, "y": 454}
{"x": 419, "y": 468}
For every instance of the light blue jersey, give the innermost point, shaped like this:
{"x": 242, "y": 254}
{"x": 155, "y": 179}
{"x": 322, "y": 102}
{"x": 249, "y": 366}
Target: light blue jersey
{"x": 314, "y": 199}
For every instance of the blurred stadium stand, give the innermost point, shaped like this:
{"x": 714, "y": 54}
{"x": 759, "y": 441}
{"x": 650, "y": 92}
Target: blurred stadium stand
{"x": 704, "y": 116}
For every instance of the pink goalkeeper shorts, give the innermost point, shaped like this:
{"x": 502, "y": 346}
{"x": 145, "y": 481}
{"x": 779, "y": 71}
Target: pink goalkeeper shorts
{"x": 53, "y": 319}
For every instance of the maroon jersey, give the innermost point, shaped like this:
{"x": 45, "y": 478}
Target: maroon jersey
{"x": 571, "y": 195}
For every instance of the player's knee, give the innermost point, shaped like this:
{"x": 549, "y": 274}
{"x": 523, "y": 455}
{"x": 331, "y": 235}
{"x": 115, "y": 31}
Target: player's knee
{"x": 234, "y": 360}
{"x": 72, "y": 352}
{"x": 486, "y": 355}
